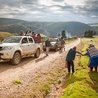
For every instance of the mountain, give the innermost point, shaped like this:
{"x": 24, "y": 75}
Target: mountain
{"x": 3, "y": 35}
{"x": 74, "y": 28}
{"x": 7, "y": 21}
{"x": 47, "y": 28}
{"x": 15, "y": 25}
{"x": 95, "y": 26}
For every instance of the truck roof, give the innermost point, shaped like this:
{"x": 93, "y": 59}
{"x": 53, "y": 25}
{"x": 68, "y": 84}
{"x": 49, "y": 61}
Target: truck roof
{"x": 22, "y": 36}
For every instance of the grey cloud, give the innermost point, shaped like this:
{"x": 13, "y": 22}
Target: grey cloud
{"x": 66, "y": 7}
{"x": 89, "y": 8}
{"x": 61, "y": 8}
{"x": 12, "y": 5}
{"x": 29, "y": 1}
{"x": 29, "y": 5}
{"x": 15, "y": 8}
{"x": 58, "y": 0}
{"x": 16, "y": 2}
{"x": 92, "y": 3}
{"x": 9, "y": 2}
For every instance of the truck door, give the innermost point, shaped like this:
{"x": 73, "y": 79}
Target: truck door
{"x": 25, "y": 46}
{"x": 32, "y": 46}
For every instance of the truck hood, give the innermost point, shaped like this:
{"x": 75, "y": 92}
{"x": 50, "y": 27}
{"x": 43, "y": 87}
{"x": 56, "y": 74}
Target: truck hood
{"x": 9, "y": 44}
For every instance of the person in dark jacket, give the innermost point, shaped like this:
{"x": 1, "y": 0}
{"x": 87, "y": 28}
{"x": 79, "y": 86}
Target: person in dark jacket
{"x": 70, "y": 58}
{"x": 62, "y": 44}
{"x": 47, "y": 45}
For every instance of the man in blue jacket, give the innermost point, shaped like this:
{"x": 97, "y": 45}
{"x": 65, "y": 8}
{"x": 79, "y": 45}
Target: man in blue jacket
{"x": 70, "y": 58}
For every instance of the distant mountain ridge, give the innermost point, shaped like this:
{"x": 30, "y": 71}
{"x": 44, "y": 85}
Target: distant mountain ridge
{"x": 47, "y": 28}
{"x": 74, "y": 28}
{"x": 7, "y": 21}
{"x": 95, "y": 26}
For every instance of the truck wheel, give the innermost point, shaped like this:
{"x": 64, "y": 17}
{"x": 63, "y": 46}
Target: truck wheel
{"x": 16, "y": 58}
{"x": 56, "y": 48}
{"x": 37, "y": 54}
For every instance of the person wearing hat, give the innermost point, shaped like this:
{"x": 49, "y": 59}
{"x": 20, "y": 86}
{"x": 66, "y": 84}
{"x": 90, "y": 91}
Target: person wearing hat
{"x": 70, "y": 58}
{"x": 92, "y": 52}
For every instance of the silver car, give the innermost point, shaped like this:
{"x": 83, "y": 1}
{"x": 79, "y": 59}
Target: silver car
{"x": 55, "y": 44}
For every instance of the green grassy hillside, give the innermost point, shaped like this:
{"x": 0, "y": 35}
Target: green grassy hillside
{"x": 74, "y": 28}
{"x": 47, "y": 28}
{"x": 83, "y": 83}
{"x": 4, "y": 35}
{"x": 95, "y": 26}
{"x": 7, "y": 21}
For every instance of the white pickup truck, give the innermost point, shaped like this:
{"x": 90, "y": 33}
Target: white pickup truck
{"x": 14, "y": 48}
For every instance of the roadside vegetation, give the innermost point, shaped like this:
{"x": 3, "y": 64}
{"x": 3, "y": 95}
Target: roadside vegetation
{"x": 70, "y": 40}
{"x": 17, "y": 81}
{"x": 83, "y": 84}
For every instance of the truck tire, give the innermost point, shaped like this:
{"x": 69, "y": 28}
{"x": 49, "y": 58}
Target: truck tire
{"x": 37, "y": 54}
{"x": 16, "y": 58}
{"x": 56, "y": 48}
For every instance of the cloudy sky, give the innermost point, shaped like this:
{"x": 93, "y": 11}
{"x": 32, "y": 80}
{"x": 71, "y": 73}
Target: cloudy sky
{"x": 85, "y": 11}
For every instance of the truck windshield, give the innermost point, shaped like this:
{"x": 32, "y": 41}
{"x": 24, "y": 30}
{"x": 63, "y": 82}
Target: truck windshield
{"x": 53, "y": 40}
{"x": 12, "y": 40}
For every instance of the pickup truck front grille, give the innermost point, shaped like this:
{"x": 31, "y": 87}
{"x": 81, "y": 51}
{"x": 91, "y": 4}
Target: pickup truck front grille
{"x": 1, "y": 48}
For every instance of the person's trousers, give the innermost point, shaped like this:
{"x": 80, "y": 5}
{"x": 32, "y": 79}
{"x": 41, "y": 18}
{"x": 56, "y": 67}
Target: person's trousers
{"x": 47, "y": 50}
{"x": 70, "y": 66}
{"x": 91, "y": 69}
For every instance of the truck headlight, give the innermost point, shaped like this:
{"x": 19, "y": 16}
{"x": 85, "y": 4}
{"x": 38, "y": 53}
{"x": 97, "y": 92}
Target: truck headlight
{"x": 7, "y": 48}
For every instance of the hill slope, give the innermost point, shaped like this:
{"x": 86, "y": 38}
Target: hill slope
{"x": 94, "y": 25}
{"x": 75, "y": 28}
{"x": 7, "y": 21}
{"x": 3, "y": 35}
{"x": 47, "y": 28}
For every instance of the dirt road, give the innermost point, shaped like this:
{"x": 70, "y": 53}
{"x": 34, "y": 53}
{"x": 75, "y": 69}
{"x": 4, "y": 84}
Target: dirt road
{"x": 26, "y": 71}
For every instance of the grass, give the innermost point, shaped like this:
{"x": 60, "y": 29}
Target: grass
{"x": 45, "y": 88}
{"x": 17, "y": 81}
{"x": 3, "y": 35}
{"x": 82, "y": 92}
{"x": 67, "y": 41}
{"x": 83, "y": 84}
